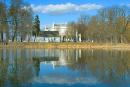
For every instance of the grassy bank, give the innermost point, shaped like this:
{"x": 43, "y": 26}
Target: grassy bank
{"x": 82, "y": 45}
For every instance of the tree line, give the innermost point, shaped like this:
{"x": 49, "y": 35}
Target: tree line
{"x": 16, "y": 21}
{"x": 109, "y": 25}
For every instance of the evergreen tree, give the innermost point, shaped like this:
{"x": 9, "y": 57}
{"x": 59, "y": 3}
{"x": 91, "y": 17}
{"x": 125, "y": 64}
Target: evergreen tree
{"x": 36, "y": 26}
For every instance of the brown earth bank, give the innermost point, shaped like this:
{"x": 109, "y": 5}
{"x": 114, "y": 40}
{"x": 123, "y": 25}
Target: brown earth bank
{"x": 68, "y": 45}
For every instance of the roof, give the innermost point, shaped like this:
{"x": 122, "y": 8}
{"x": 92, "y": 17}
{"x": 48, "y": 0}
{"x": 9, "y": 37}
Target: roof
{"x": 49, "y": 33}
{"x": 46, "y": 58}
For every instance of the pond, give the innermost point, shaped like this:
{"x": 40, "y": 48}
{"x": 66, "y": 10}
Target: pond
{"x": 64, "y": 68}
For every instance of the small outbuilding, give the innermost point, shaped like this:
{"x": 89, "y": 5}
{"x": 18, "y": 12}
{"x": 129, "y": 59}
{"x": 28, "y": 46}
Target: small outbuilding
{"x": 48, "y": 36}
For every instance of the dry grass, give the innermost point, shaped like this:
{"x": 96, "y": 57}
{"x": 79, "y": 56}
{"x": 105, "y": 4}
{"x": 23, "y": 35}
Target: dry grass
{"x": 73, "y": 45}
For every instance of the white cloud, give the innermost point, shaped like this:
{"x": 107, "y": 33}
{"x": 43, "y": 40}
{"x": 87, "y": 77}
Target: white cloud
{"x": 64, "y": 8}
{"x": 128, "y": 5}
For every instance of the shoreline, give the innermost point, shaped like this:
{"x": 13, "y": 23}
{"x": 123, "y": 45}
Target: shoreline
{"x": 67, "y": 45}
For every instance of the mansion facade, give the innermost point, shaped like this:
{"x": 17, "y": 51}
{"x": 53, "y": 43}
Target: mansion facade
{"x": 53, "y": 33}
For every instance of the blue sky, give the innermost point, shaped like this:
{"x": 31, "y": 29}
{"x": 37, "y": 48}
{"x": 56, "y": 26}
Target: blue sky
{"x": 62, "y": 11}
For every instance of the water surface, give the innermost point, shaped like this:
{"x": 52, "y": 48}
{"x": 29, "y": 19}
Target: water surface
{"x": 64, "y": 68}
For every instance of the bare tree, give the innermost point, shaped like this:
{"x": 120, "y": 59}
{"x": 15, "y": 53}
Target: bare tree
{"x": 3, "y": 21}
{"x": 21, "y": 15}
{"x": 110, "y": 25}
{"x": 82, "y": 26}
{"x": 71, "y": 32}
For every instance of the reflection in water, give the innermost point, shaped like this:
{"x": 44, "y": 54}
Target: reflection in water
{"x": 27, "y": 67}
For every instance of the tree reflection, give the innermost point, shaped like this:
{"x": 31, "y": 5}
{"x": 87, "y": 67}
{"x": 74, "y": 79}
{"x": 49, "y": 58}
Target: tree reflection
{"x": 18, "y": 66}
{"x": 36, "y": 63}
{"x": 3, "y": 68}
{"x": 107, "y": 66}
{"x": 15, "y": 71}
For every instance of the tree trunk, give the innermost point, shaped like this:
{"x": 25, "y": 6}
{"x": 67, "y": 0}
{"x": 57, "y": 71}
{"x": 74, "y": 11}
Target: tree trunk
{"x": 14, "y": 36}
{"x": 121, "y": 39}
{"x": 2, "y": 37}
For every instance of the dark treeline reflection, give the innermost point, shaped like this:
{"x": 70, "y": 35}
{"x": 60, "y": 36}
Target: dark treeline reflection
{"x": 15, "y": 68}
{"x": 107, "y": 66}
{"x": 19, "y": 66}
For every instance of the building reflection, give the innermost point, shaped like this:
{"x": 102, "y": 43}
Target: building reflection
{"x": 62, "y": 57}
{"x": 19, "y": 66}
{"x": 107, "y": 66}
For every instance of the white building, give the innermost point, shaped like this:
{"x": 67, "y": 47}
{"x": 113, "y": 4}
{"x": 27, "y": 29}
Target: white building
{"x": 46, "y": 36}
{"x": 55, "y": 33}
{"x": 61, "y": 28}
